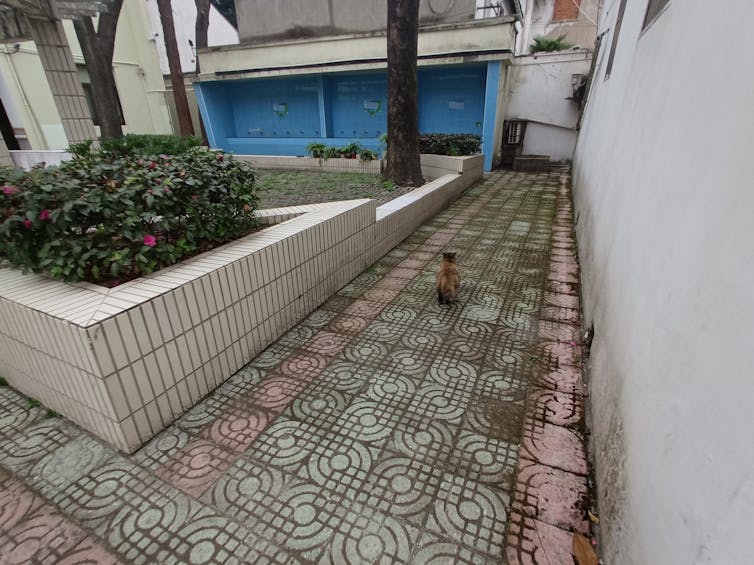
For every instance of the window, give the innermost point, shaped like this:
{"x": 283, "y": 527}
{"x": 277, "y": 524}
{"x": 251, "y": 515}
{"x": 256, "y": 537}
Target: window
{"x": 86, "y": 84}
{"x": 653, "y": 10}
{"x": 614, "y": 43}
{"x": 512, "y": 133}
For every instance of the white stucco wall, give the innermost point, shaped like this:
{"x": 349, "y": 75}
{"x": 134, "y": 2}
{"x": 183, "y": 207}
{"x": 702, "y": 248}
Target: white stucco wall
{"x": 665, "y": 212}
{"x": 220, "y": 32}
{"x": 538, "y": 88}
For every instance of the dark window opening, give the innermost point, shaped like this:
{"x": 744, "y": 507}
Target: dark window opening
{"x": 614, "y": 43}
{"x": 86, "y": 84}
{"x": 7, "y": 131}
{"x": 653, "y": 10}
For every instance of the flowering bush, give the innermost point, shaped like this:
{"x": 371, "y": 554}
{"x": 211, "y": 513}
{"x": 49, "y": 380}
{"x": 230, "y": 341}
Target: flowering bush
{"x": 107, "y": 218}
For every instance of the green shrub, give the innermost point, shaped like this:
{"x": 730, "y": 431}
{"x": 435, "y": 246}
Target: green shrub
{"x": 106, "y": 217}
{"x": 147, "y": 144}
{"x": 350, "y": 151}
{"x": 367, "y": 155}
{"x": 548, "y": 45}
{"x": 316, "y": 150}
{"x": 450, "y": 143}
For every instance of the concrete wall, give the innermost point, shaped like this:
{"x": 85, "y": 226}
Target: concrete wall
{"x": 664, "y": 201}
{"x": 540, "y": 18}
{"x": 261, "y": 20}
{"x": 538, "y": 88}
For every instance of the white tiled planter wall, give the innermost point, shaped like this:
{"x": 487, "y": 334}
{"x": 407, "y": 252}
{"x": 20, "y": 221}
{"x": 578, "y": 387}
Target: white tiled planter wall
{"x": 125, "y": 362}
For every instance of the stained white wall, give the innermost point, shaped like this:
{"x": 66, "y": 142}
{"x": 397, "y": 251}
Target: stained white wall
{"x": 665, "y": 211}
{"x": 580, "y": 32}
{"x": 538, "y": 88}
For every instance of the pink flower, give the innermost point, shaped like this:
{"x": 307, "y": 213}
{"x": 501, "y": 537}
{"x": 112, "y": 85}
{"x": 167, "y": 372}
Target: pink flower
{"x": 150, "y": 240}
{"x": 9, "y": 189}
{"x": 166, "y": 190}
{"x": 44, "y": 214}
{"x": 194, "y": 197}
{"x": 152, "y": 165}
{"x": 157, "y": 181}
{"x": 27, "y": 224}
{"x": 220, "y": 157}
{"x": 140, "y": 162}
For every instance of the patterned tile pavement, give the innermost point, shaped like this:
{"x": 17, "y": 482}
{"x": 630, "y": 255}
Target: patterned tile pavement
{"x": 382, "y": 429}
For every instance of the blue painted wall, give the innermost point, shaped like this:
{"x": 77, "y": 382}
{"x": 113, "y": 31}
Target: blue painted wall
{"x": 356, "y": 104}
{"x": 287, "y": 107}
{"x": 282, "y": 116}
{"x": 451, "y": 99}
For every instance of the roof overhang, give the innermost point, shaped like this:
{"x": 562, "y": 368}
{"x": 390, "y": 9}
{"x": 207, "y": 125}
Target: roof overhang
{"x": 478, "y": 40}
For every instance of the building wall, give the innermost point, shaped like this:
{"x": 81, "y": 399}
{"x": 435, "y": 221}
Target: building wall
{"x": 539, "y": 86}
{"x": 28, "y": 99}
{"x": 261, "y": 20}
{"x": 664, "y": 207}
{"x": 552, "y": 18}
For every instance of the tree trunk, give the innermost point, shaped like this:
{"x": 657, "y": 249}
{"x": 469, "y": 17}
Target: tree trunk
{"x": 403, "y": 161}
{"x": 97, "y": 48}
{"x": 200, "y": 42}
{"x": 174, "y": 62}
{"x": 202, "y": 25}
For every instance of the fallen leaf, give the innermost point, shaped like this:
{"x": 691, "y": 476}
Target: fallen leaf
{"x": 583, "y": 551}
{"x": 593, "y": 517}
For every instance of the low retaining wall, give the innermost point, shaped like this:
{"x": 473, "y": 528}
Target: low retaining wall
{"x": 433, "y": 166}
{"x": 311, "y": 163}
{"x": 125, "y": 362}
{"x": 27, "y": 158}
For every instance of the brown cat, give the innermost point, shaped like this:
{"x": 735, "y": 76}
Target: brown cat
{"x": 448, "y": 279}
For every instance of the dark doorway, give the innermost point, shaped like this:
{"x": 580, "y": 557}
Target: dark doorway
{"x": 6, "y": 129}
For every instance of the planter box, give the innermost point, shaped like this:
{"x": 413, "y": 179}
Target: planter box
{"x": 125, "y": 362}
{"x": 311, "y": 163}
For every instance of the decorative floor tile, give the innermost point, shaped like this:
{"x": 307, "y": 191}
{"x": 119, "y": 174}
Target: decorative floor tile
{"x": 35, "y": 442}
{"x": 470, "y": 513}
{"x": 403, "y": 487}
{"x": 194, "y": 468}
{"x": 366, "y": 536}
{"x": 33, "y": 531}
{"x": 551, "y": 495}
{"x": 238, "y": 427}
{"x": 326, "y": 343}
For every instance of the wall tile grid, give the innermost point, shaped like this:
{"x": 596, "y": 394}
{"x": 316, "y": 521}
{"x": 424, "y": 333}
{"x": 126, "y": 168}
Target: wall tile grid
{"x": 125, "y": 362}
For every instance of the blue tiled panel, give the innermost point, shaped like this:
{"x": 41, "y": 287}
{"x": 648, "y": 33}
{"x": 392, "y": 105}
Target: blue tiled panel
{"x": 285, "y": 107}
{"x": 451, "y": 99}
{"x": 356, "y": 104}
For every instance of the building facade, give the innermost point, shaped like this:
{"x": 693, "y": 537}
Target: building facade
{"x": 140, "y": 69}
{"x": 664, "y": 208}
{"x": 277, "y": 95}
